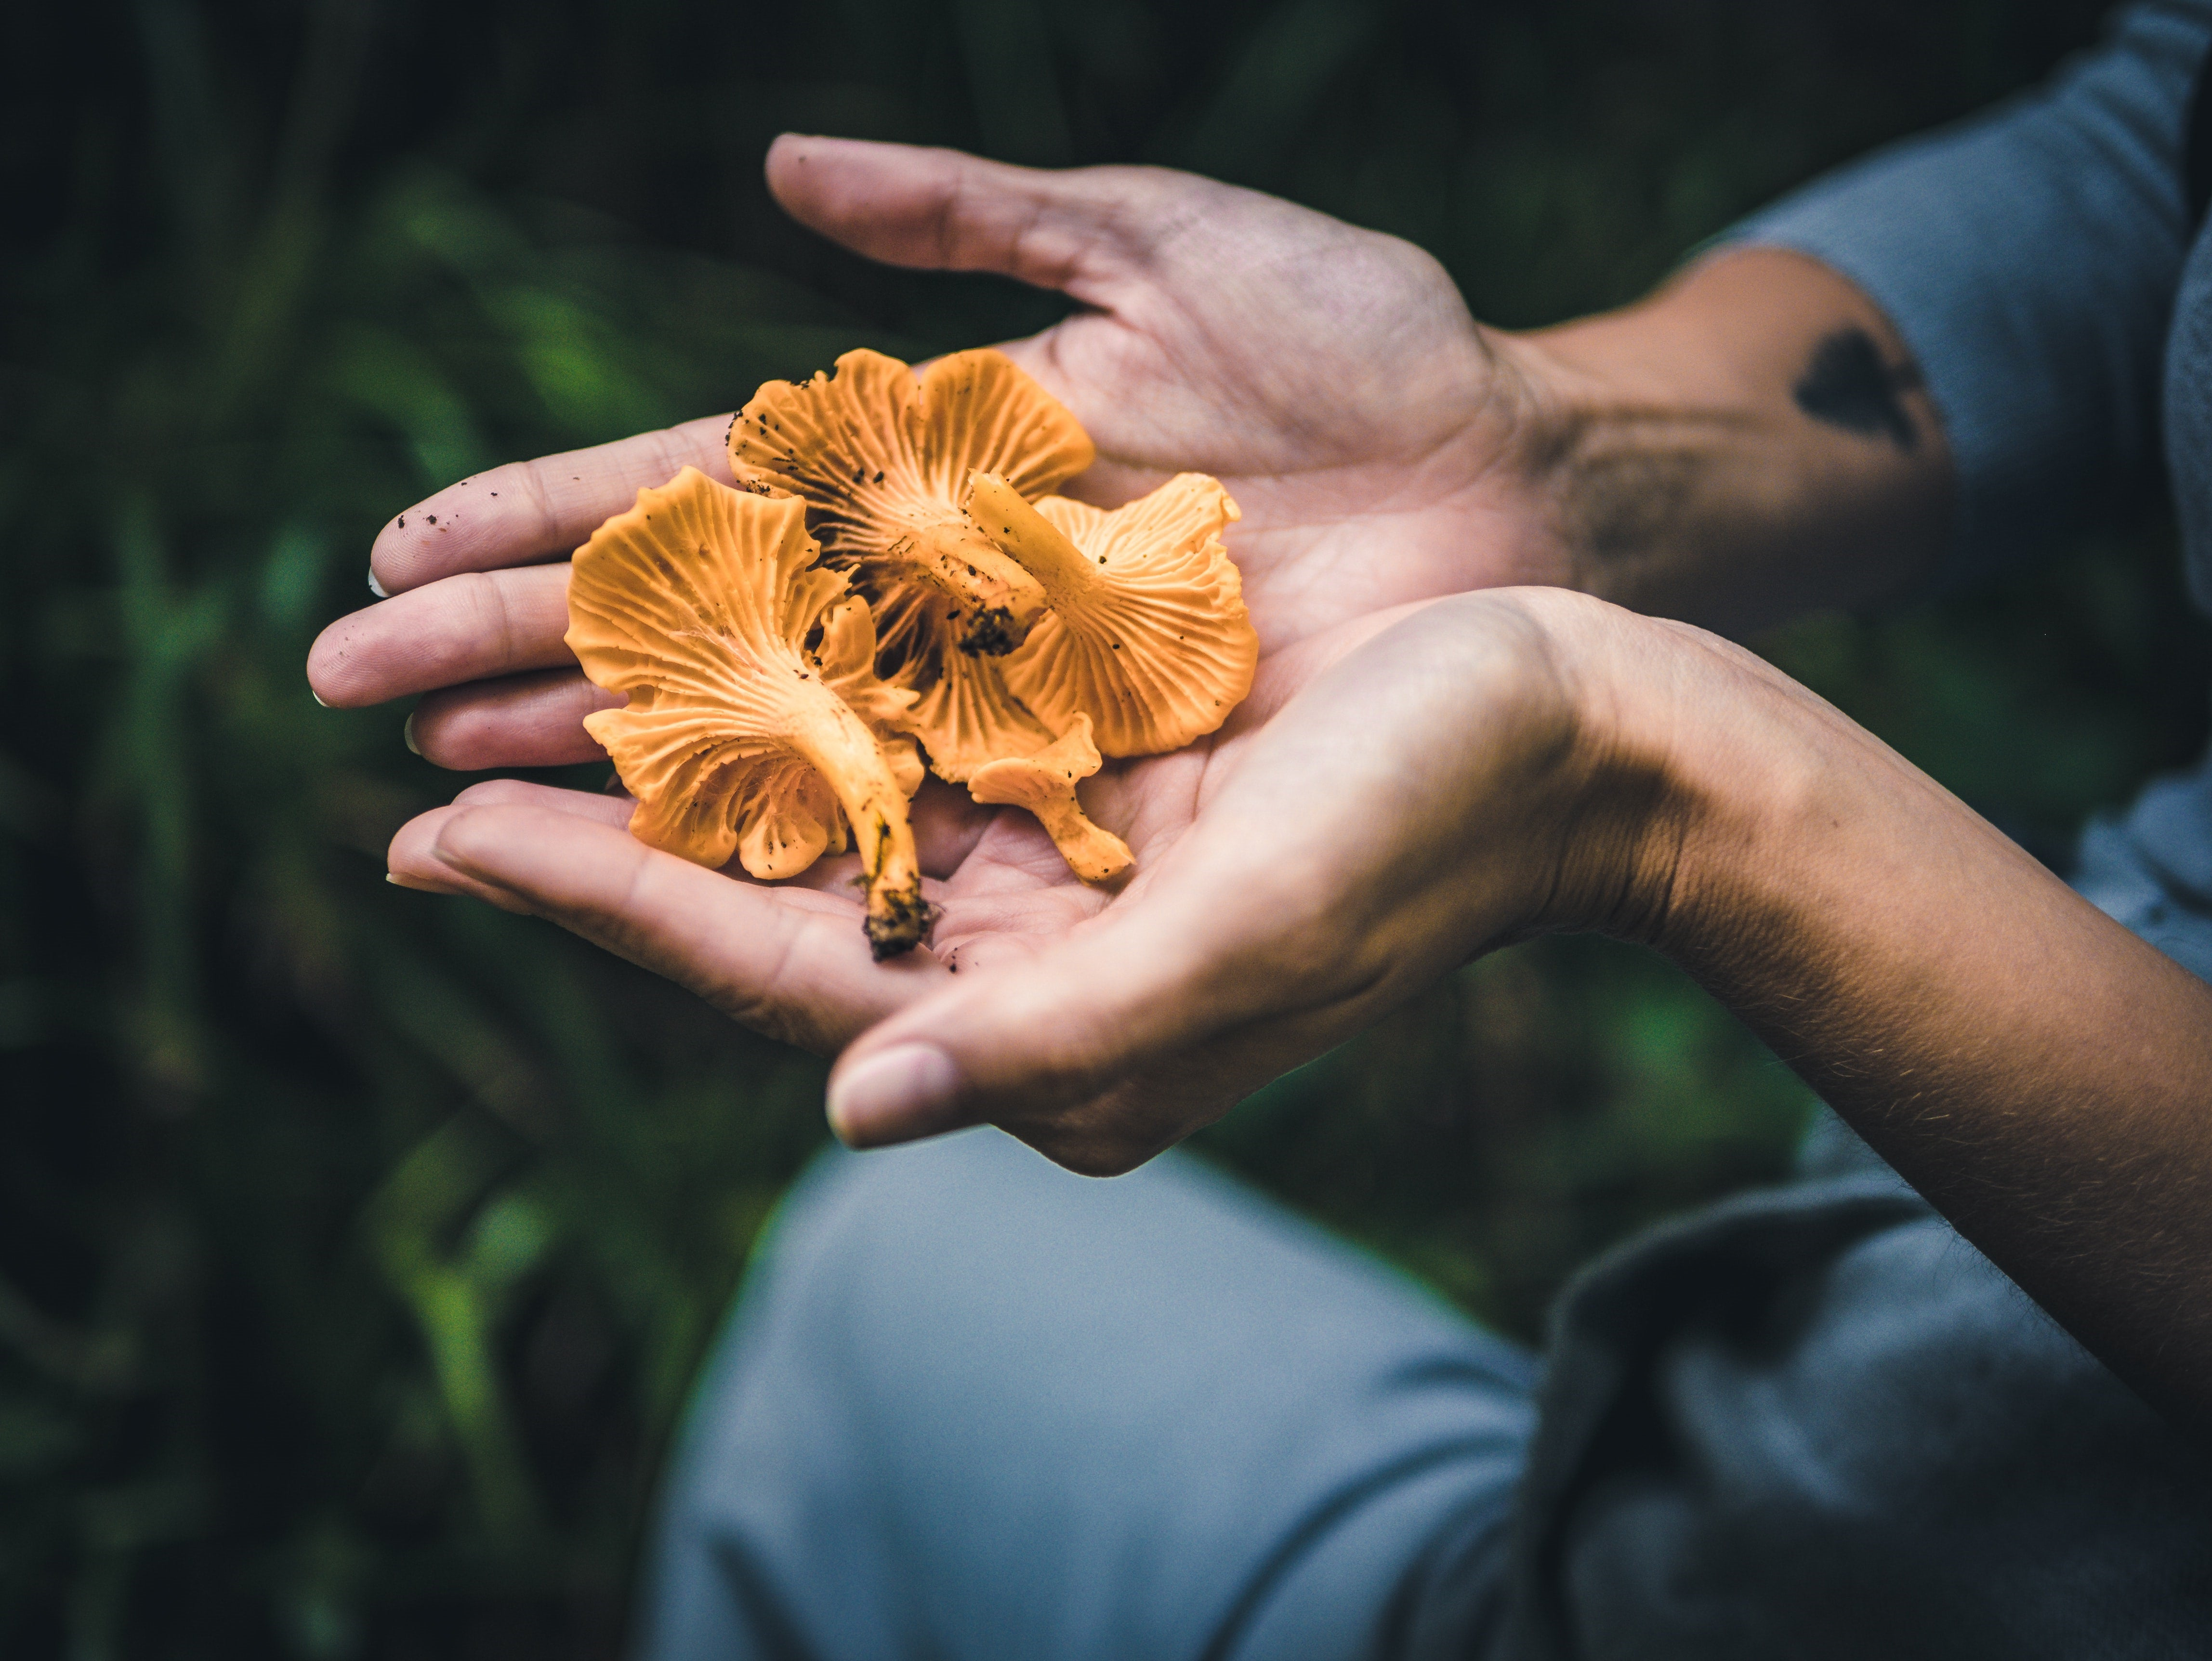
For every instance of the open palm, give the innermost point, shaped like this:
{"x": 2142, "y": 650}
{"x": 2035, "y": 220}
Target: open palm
{"x": 1331, "y": 377}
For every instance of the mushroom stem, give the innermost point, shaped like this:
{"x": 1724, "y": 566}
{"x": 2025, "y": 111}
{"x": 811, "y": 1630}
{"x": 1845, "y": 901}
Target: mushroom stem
{"x": 1045, "y": 784}
{"x": 1094, "y": 855}
{"x": 1034, "y": 543}
{"x": 837, "y": 742}
{"x": 998, "y": 600}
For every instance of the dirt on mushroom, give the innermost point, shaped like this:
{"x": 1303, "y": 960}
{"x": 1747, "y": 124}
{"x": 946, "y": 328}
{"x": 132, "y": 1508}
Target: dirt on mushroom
{"x": 786, "y": 689}
{"x": 740, "y": 737}
{"x": 882, "y": 458}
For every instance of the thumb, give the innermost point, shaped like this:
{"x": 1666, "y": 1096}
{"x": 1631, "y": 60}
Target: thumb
{"x": 1025, "y": 1037}
{"x": 1077, "y": 230}
{"x": 1102, "y": 1046}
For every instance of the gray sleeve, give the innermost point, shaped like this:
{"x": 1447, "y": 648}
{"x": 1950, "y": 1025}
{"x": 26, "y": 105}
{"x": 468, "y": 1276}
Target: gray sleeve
{"x": 2029, "y": 257}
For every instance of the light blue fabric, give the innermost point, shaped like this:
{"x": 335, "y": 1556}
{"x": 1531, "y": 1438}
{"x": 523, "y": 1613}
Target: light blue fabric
{"x": 973, "y": 1406}
{"x": 2151, "y": 868}
{"x": 2189, "y": 418}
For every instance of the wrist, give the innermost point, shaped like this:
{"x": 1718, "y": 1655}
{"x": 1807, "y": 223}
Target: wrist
{"x": 1694, "y": 768}
{"x": 1671, "y": 453}
{"x": 1774, "y": 848}
{"x": 1637, "y": 792}
{"x": 2035, "y": 1071}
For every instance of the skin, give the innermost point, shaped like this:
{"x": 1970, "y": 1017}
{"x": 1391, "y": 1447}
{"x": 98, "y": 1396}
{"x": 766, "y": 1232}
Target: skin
{"x": 1464, "y": 553}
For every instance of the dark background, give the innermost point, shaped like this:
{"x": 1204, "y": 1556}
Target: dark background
{"x": 356, "y": 1247}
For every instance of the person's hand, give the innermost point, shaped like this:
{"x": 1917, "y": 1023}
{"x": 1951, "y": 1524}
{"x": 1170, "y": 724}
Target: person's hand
{"x": 1329, "y": 376}
{"x": 1398, "y": 795}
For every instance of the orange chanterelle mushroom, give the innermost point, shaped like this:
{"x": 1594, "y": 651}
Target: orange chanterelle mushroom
{"x": 882, "y": 457}
{"x": 755, "y": 724}
{"x": 1145, "y": 628}
{"x": 1007, "y": 620}
{"x": 1020, "y": 635}
{"x": 1045, "y": 784}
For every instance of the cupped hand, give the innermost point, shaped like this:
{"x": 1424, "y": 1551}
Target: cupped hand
{"x": 1397, "y": 796}
{"x": 1330, "y": 376}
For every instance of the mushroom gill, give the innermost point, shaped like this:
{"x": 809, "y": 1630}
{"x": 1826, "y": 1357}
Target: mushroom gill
{"x": 1145, "y": 628}
{"x": 755, "y": 724}
{"x": 967, "y": 717}
{"x": 1045, "y": 784}
{"x": 962, "y": 707}
{"x": 883, "y": 456}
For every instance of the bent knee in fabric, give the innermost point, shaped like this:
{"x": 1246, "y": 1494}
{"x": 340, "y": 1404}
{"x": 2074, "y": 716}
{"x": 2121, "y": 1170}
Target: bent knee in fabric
{"x": 1877, "y": 1447}
{"x": 974, "y": 1405}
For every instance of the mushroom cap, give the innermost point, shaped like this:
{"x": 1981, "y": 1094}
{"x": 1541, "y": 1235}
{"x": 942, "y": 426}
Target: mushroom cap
{"x": 755, "y": 724}
{"x": 1147, "y": 633}
{"x": 883, "y": 457}
{"x": 1045, "y": 784}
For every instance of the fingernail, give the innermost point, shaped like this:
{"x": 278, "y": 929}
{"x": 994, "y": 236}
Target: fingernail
{"x": 905, "y": 1091}
{"x": 318, "y": 696}
{"x": 407, "y": 733}
{"x": 374, "y": 587}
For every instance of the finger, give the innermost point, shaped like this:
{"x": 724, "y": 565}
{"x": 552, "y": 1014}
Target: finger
{"x": 534, "y": 510}
{"x": 521, "y": 720}
{"x": 467, "y": 628}
{"x": 1194, "y": 949}
{"x": 947, "y": 825}
{"x": 594, "y": 805}
{"x": 412, "y": 861}
{"x": 1077, "y": 231}
{"x": 790, "y": 962}
{"x": 1029, "y": 1030}
{"x": 947, "y": 822}
{"x": 616, "y": 807}
{"x": 1203, "y": 942}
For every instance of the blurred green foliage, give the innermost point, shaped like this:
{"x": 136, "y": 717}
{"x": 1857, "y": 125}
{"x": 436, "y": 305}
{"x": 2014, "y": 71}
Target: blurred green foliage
{"x": 357, "y": 1248}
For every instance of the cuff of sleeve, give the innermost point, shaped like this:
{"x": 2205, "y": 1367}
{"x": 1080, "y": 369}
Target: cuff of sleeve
{"x": 2028, "y": 256}
{"x": 1822, "y": 224}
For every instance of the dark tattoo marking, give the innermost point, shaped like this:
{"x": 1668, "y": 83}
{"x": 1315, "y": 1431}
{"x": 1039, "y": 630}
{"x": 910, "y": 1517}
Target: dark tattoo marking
{"x": 1849, "y": 385}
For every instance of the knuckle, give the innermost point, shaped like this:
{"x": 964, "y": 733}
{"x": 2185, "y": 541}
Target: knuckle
{"x": 495, "y": 793}
{"x": 489, "y": 622}
{"x": 1088, "y": 1153}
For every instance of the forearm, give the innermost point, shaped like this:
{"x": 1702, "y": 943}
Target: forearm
{"x": 2044, "y": 1077}
{"x": 1750, "y": 442}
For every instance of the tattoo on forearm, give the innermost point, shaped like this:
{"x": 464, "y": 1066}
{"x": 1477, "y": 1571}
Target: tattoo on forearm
{"x": 1848, "y": 385}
